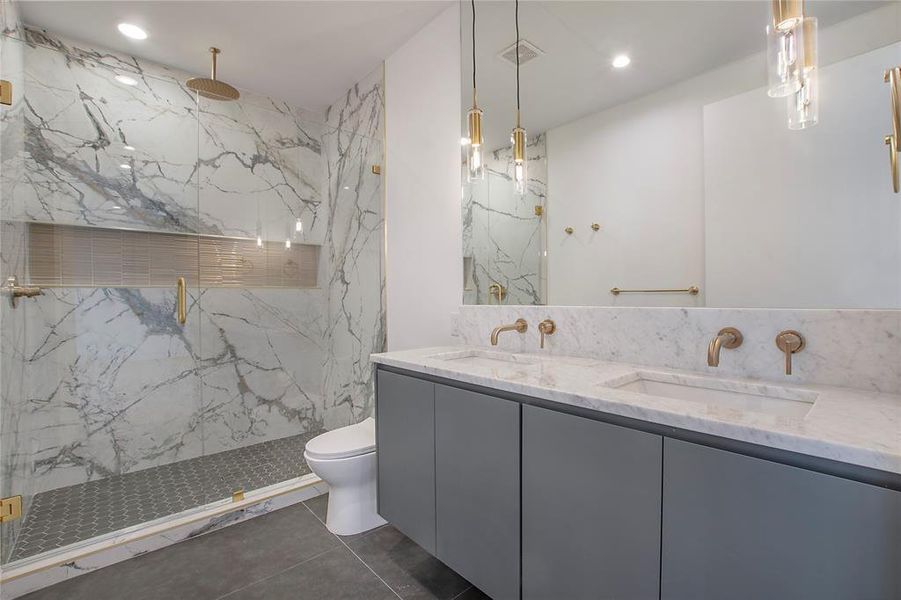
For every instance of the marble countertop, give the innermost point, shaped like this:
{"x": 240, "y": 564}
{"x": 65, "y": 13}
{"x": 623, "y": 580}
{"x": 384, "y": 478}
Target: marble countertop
{"x": 847, "y": 425}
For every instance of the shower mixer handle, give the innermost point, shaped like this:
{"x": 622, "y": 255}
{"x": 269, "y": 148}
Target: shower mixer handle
{"x": 16, "y": 291}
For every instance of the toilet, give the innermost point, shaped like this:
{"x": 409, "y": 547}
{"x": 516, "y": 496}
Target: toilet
{"x": 345, "y": 459}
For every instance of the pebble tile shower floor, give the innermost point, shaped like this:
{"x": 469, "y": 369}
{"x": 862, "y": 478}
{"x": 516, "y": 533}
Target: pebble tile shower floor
{"x": 72, "y": 514}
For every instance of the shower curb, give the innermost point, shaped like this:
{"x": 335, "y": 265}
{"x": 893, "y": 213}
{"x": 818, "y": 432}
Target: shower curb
{"x": 36, "y": 572}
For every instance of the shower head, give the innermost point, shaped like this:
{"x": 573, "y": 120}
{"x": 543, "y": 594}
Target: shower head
{"x": 213, "y": 88}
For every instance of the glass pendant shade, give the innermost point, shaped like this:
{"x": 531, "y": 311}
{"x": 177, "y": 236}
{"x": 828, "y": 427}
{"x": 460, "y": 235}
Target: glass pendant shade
{"x": 519, "y": 160}
{"x": 475, "y": 159}
{"x": 784, "y": 55}
{"x": 803, "y": 105}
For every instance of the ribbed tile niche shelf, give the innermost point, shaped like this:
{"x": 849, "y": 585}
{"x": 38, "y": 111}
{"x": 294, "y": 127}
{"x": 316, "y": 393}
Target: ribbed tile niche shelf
{"x": 78, "y": 256}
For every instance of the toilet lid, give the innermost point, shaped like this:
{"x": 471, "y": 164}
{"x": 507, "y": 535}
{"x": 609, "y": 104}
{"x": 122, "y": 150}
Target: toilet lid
{"x": 344, "y": 442}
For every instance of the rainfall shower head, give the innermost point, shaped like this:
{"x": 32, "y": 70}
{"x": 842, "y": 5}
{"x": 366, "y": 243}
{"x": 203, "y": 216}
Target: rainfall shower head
{"x": 213, "y": 88}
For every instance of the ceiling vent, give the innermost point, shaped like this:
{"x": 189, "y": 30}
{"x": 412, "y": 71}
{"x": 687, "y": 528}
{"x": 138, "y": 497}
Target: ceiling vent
{"x": 527, "y": 51}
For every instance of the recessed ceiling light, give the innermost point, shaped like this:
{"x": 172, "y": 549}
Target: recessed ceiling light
{"x": 621, "y": 60}
{"x": 129, "y": 148}
{"x": 126, "y": 80}
{"x": 132, "y": 31}
{"x": 125, "y": 166}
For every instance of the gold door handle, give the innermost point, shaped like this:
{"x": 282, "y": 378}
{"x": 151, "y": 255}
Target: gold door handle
{"x": 182, "y": 299}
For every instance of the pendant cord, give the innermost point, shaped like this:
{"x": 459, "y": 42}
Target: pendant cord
{"x": 473, "y": 52}
{"x": 517, "y": 62}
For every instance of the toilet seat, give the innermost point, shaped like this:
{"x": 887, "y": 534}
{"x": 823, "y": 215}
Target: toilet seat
{"x": 345, "y": 442}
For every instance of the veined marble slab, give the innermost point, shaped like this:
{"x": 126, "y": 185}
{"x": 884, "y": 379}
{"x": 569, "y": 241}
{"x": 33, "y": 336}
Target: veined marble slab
{"x": 851, "y": 426}
{"x": 848, "y": 348}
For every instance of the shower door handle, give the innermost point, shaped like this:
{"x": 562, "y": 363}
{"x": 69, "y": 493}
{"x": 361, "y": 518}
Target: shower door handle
{"x": 182, "y": 300}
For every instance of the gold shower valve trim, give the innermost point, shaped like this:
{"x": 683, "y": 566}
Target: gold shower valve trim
{"x": 595, "y": 226}
{"x": 569, "y": 230}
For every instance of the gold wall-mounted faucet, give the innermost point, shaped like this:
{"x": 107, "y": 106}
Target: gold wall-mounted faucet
{"x": 727, "y": 337}
{"x": 520, "y": 327}
{"x": 546, "y": 327}
{"x": 790, "y": 342}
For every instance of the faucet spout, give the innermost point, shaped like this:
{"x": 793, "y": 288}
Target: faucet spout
{"x": 520, "y": 326}
{"x": 728, "y": 337}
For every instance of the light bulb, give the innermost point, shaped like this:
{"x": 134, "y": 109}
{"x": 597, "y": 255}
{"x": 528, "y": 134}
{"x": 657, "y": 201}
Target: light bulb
{"x": 519, "y": 160}
{"x": 288, "y": 244}
{"x": 784, "y": 61}
{"x": 298, "y": 226}
{"x": 803, "y": 105}
{"x": 519, "y": 178}
{"x": 474, "y": 158}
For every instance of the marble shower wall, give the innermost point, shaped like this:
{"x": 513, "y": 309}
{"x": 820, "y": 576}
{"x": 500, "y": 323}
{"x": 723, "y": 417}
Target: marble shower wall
{"x": 501, "y": 233}
{"x": 849, "y": 348}
{"x": 111, "y": 382}
{"x": 353, "y": 144}
{"x": 14, "y": 470}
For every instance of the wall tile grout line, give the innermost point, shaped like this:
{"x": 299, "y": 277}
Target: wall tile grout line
{"x": 338, "y": 537}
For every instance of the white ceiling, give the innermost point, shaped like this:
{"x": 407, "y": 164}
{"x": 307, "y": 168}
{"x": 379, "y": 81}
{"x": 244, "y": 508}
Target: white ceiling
{"x": 307, "y": 53}
{"x": 668, "y": 41}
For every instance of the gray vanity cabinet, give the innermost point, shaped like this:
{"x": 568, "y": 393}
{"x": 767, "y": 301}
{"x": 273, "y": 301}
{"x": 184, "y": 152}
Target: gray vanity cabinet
{"x": 477, "y": 488}
{"x": 590, "y": 508}
{"x": 405, "y": 433}
{"x": 740, "y": 527}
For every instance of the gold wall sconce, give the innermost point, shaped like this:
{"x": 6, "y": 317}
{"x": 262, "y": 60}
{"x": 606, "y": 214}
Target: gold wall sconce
{"x": 893, "y": 78}
{"x": 595, "y": 226}
{"x": 569, "y": 230}
{"x": 539, "y": 210}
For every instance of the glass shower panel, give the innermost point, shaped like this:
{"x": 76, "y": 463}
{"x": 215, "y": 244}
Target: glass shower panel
{"x": 264, "y": 306}
{"x": 100, "y": 212}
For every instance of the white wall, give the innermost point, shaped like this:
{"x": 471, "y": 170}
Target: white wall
{"x": 804, "y": 218}
{"x": 424, "y": 270}
{"x": 638, "y": 170}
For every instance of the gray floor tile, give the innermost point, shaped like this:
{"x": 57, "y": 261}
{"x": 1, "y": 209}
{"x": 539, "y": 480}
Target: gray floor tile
{"x": 472, "y": 593}
{"x": 335, "y": 575}
{"x": 410, "y": 571}
{"x": 318, "y": 505}
{"x": 208, "y": 566}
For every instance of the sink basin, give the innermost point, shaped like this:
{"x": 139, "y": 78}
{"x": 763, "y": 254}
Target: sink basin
{"x": 485, "y": 358}
{"x": 719, "y": 394}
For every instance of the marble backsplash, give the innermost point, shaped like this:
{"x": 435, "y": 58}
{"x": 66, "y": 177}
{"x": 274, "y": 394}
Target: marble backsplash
{"x": 850, "y": 348}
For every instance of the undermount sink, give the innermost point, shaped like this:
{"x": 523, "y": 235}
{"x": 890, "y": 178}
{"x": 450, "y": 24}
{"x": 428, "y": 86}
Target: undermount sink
{"x": 719, "y": 394}
{"x": 485, "y": 358}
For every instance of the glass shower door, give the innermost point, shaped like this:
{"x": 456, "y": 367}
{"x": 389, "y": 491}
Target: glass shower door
{"x": 101, "y": 387}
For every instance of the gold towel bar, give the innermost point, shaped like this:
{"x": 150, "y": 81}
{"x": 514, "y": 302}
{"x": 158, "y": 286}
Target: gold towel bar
{"x": 693, "y": 290}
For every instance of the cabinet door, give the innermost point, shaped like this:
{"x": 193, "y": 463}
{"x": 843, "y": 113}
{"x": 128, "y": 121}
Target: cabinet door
{"x": 740, "y": 527}
{"x": 405, "y": 443}
{"x": 590, "y": 508}
{"x": 477, "y": 483}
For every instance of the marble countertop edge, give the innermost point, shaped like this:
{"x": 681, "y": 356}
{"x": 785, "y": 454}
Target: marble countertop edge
{"x": 855, "y": 427}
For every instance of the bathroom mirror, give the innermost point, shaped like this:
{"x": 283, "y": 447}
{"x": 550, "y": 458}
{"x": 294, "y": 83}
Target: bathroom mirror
{"x": 678, "y": 154}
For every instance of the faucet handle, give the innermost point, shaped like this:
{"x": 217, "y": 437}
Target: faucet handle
{"x": 546, "y": 327}
{"x": 790, "y": 342}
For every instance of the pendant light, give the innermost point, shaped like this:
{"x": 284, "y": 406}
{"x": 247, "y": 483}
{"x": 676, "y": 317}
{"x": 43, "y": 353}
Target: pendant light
{"x": 474, "y": 156}
{"x": 785, "y": 48}
{"x": 518, "y": 136}
{"x": 803, "y": 105}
